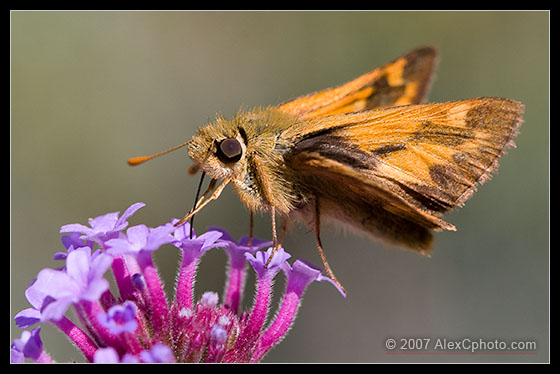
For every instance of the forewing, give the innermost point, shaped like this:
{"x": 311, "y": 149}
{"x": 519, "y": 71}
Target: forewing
{"x": 401, "y": 82}
{"x": 419, "y": 160}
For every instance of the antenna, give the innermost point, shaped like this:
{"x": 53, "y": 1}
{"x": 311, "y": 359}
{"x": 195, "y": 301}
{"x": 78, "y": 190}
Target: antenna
{"x": 140, "y": 160}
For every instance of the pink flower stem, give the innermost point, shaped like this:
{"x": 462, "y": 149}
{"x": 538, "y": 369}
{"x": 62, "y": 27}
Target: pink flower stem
{"x": 185, "y": 282}
{"x": 131, "y": 342}
{"x": 122, "y": 277}
{"x": 157, "y": 301}
{"x": 279, "y": 327}
{"x": 91, "y": 311}
{"x": 107, "y": 300}
{"x": 78, "y": 337}
{"x": 251, "y": 333}
{"x": 235, "y": 283}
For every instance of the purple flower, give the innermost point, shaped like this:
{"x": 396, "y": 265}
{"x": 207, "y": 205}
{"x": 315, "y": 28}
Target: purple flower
{"x": 300, "y": 275}
{"x": 28, "y": 317}
{"x": 54, "y": 291}
{"x": 29, "y": 346}
{"x": 242, "y": 246}
{"x": 140, "y": 238}
{"x": 196, "y": 246}
{"x": 218, "y": 334}
{"x": 141, "y": 323}
{"x": 110, "y": 356}
{"x": 237, "y": 270}
{"x": 209, "y": 299}
{"x": 104, "y": 227}
{"x": 71, "y": 242}
{"x": 120, "y": 318}
{"x": 140, "y": 241}
{"x": 260, "y": 260}
{"x": 160, "y": 353}
{"x": 251, "y": 331}
{"x": 191, "y": 251}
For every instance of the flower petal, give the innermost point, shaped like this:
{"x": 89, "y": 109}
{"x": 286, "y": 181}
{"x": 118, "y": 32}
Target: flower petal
{"x": 54, "y": 283}
{"x": 183, "y": 231}
{"x": 77, "y": 265}
{"x": 94, "y": 289}
{"x": 29, "y": 344}
{"x": 255, "y": 243}
{"x": 260, "y": 259}
{"x": 76, "y": 227}
{"x": 104, "y": 223}
{"x": 159, "y": 236}
{"x": 159, "y": 353}
{"x": 301, "y": 274}
{"x": 55, "y": 310}
{"x": 35, "y": 295}
{"x": 27, "y": 317}
{"x": 210, "y": 237}
{"x": 99, "y": 265}
{"x": 122, "y": 222}
{"x": 106, "y": 356}
{"x": 138, "y": 235}
{"x": 119, "y": 247}
{"x": 225, "y": 235}
{"x": 74, "y": 240}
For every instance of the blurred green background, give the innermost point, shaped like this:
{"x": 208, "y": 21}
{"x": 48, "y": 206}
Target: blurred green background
{"x": 90, "y": 89}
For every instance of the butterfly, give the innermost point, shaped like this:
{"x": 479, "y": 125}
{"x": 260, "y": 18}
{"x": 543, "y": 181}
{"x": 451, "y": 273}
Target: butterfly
{"x": 368, "y": 154}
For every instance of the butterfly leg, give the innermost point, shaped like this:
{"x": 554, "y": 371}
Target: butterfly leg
{"x": 274, "y": 236}
{"x": 283, "y": 230}
{"x": 251, "y": 224}
{"x": 211, "y": 186}
{"x": 275, "y": 245}
{"x": 317, "y": 229}
{"x": 201, "y": 204}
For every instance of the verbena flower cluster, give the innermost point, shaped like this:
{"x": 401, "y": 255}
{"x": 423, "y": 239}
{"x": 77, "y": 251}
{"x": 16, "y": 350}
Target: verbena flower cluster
{"x": 139, "y": 323}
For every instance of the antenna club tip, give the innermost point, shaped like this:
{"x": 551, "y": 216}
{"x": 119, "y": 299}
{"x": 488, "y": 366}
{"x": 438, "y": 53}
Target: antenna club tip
{"x": 133, "y": 161}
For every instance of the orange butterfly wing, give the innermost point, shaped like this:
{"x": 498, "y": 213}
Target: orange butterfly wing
{"x": 415, "y": 161}
{"x": 401, "y": 82}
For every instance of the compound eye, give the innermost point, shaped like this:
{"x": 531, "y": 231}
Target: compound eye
{"x": 229, "y": 150}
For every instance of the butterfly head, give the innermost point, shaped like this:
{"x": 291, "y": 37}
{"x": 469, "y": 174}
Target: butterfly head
{"x": 219, "y": 149}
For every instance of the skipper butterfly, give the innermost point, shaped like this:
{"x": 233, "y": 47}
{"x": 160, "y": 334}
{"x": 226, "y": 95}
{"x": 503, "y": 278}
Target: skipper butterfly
{"x": 367, "y": 154}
